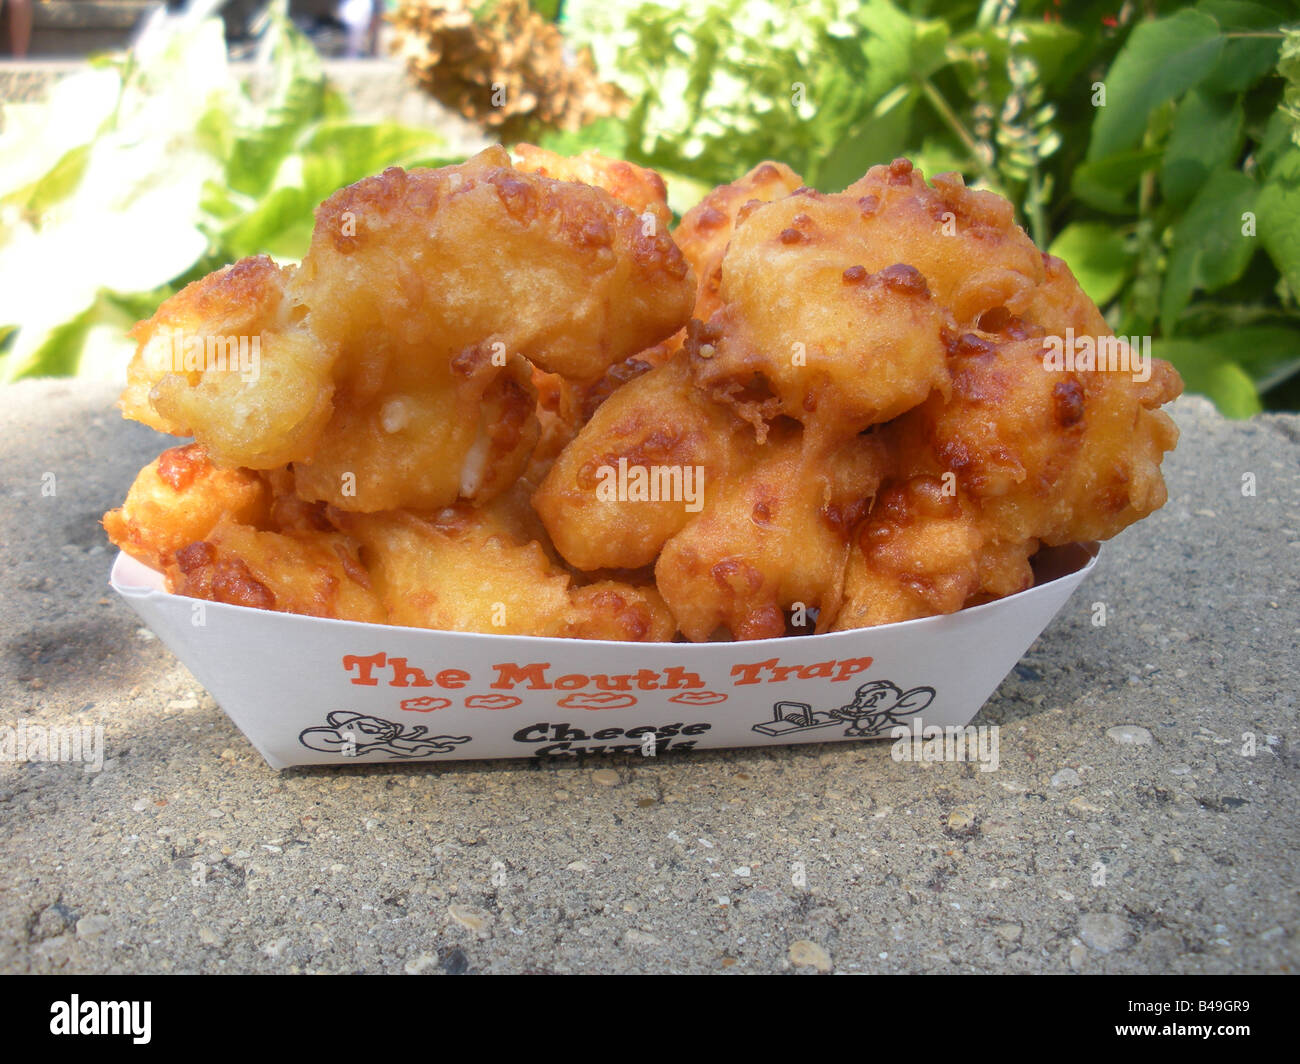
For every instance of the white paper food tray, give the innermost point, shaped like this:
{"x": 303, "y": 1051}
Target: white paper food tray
{"x": 308, "y": 691}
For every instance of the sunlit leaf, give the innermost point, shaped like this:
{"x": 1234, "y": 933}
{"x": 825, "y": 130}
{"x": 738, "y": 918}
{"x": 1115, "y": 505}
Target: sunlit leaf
{"x": 1206, "y": 134}
{"x": 1211, "y": 244}
{"x": 1206, "y": 370}
{"x": 1278, "y": 215}
{"x": 1161, "y": 59}
{"x": 1097, "y": 255}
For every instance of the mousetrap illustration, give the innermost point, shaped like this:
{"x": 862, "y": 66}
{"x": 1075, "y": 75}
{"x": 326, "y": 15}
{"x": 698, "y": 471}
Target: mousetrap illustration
{"x": 795, "y": 717}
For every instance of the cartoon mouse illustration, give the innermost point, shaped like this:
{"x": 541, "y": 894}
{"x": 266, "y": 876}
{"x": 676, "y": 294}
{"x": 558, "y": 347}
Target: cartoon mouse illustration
{"x": 877, "y": 706}
{"x": 354, "y": 734}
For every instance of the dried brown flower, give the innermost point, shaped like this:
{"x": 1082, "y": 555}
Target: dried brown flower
{"x": 506, "y": 67}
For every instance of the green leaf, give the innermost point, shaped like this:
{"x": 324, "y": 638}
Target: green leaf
{"x": 215, "y": 130}
{"x": 1275, "y": 144}
{"x": 929, "y": 49}
{"x": 358, "y": 150}
{"x": 280, "y": 225}
{"x": 56, "y": 354}
{"x": 1161, "y": 59}
{"x": 1244, "y": 60}
{"x": 1277, "y": 214}
{"x": 881, "y": 138}
{"x": 897, "y": 47}
{"x": 328, "y": 157}
{"x": 1207, "y": 371}
{"x": 1288, "y": 67}
{"x": 55, "y": 185}
{"x": 298, "y": 98}
{"x": 92, "y": 342}
{"x": 608, "y": 136}
{"x": 938, "y": 155}
{"x": 1207, "y": 134}
{"x": 1108, "y": 184}
{"x": 1209, "y": 249}
{"x": 1096, "y": 254}
{"x": 1269, "y": 353}
{"x": 39, "y": 137}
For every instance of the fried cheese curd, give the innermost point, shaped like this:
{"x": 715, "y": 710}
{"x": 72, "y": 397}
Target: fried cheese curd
{"x": 773, "y": 536}
{"x": 769, "y": 526}
{"x": 178, "y": 498}
{"x": 1033, "y": 458}
{"x": 394, "y": 379}
{"x": 706, "y": 229}
{"x": 469, "y": 569}
{"x": 499, "y": 398}
{"x": 865, "y": 391}
{"x": 240, "y": 536}
{"x": 634, "y": 186}
{"x": 454, "y": 284}
{"x": 394, "y": 364}
{"x": 833, "y": 307}
{"x": 258, "y": 413}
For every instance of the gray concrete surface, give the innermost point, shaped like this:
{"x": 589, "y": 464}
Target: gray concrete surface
{"x": 1175, "y": 852}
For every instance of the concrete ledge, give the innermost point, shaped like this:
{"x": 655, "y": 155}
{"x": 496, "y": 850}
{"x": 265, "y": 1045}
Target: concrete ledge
{"x": 68, "y": 15}
{"x": 1125, "y": 830}
{"x": 80, "y": 27}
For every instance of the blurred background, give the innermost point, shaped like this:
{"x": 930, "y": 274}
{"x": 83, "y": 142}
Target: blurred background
{"x": 1154, "y": 146}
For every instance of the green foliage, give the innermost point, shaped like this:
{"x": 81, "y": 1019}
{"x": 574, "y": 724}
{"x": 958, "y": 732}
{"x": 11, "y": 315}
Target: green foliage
{"x": 148, "y": 169}
{"x": 1176, "y": 201}
{"x": 1098, "y": 256}
{"x": 1161, "y": 60}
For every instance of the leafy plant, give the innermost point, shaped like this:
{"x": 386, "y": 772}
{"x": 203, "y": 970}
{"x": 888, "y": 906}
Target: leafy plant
{"x": 153, "y": 167}
{"x": 1156, "y": 149}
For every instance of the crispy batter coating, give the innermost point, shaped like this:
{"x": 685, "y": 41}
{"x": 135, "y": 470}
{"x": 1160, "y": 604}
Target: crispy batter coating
{"x": 466, "y": 569}
{"x": 435, "y": 285}
{"x": 922, "y": 311}
{"x": 924, "y": 551}
{"x": 634, "y": 186}
{"x": 495, "y": 399}
{"x": 706, "y": 228}
{"x": 317, "y": 574}
{"x": 806, "y": 330}
{"x": 773, "y": 536}
{"x": 966, "y": 244}
{"x": 480, "y": 254}
{"x": 702, "y": 236}
{"x": 842, "y": 299}
{"x": 393, "y": 366}
{"x": 177, "y": 499}
{"x": 229, "y": 361}
{"x": 769, "y": 527}
{"x": 1060, "y": 457}
{"x": 432, "y": 434}
{"x": 620, "y": 611}
{"x": 657, "y": 423}
{"x": 1018, "y": 457}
